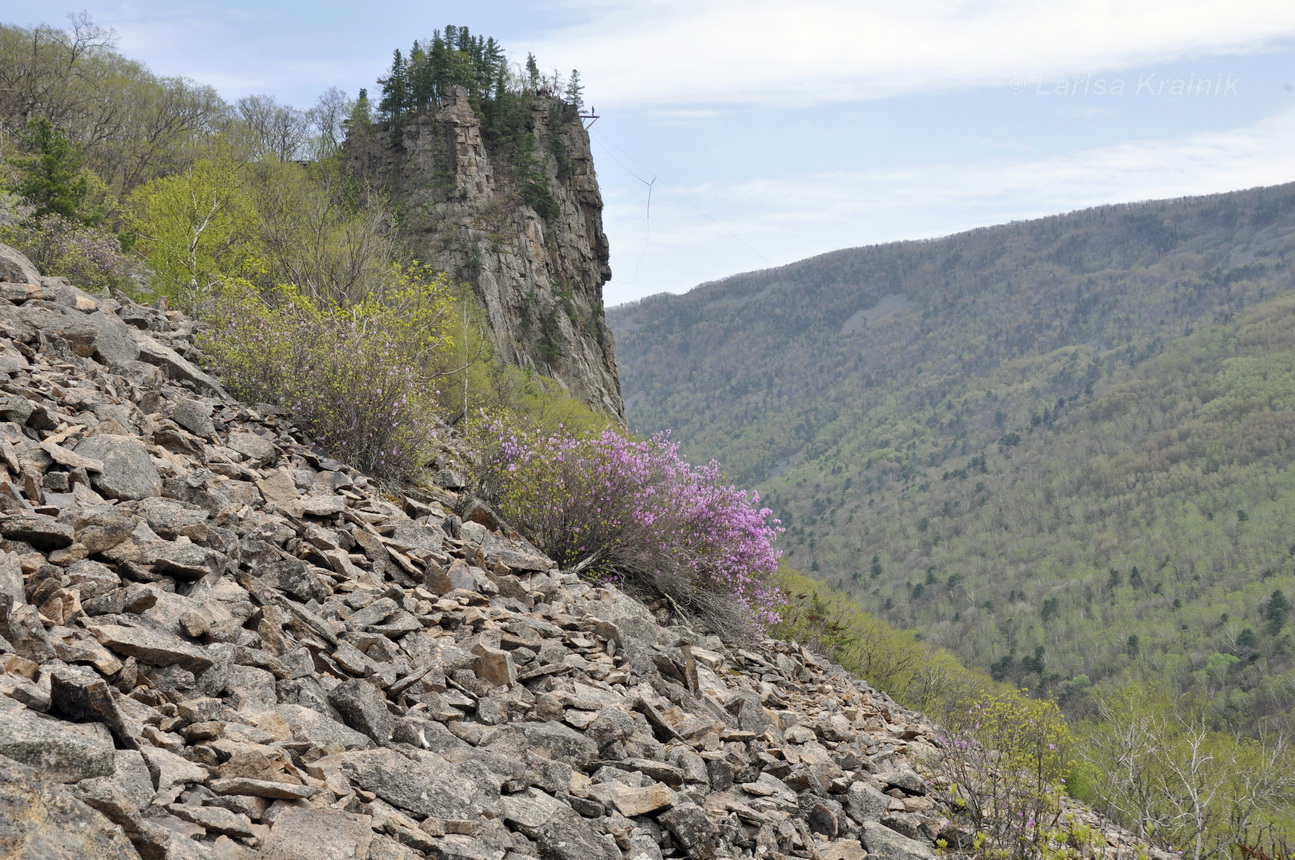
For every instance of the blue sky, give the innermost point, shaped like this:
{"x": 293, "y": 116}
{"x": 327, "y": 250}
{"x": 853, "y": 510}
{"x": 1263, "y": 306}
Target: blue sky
{"x": 742, "y": 134}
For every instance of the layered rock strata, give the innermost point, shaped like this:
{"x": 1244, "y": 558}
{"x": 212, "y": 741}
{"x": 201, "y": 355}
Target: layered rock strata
{"x": 539, "y": 275}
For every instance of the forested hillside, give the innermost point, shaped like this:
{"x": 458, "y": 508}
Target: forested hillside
{"x": 1061, "y": 448}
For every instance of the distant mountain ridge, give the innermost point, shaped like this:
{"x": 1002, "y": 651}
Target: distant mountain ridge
{"x": 899, "y": 404}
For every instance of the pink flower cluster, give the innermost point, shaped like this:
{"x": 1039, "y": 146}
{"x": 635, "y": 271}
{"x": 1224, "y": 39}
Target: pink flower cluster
{"x": 90, "y": 257}
{"x": 636, "y": 509}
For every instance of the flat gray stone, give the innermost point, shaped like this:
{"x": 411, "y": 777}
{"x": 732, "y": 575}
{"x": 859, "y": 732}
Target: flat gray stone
{"x": 186, "y": 560}
{"x": 364, "y": 708}
{"x": 41, "y": 820}
{"x": 11, "y": 581}
{"x": 560, "y": 743}
{"x": 262, "y": 788}
{"x": 171, "y": 773}
{"x": 115, "y": 344}
{"x": 318, "y": 834}
{"x": 881, "y": 841}
{"x": 866, "y": 803}
{"x": 153, "y": 647}
{"x": 176, "y": 366}
{"x": 423, "y": 788}
{"x": 128, "y": 472}
{"x": 567, "y": 836}
{"x": 39, "y": 530}
{"x": 310, "y": 726}
{"x": 64, "y": 324}
{"x": 101, "y": 529}
{"x": 194, "y": 417}
{"x": 16, "y": 268}
{"x": 693, "y": 830}
{"x": 532, "y": 808}
{"x": 59, "y": 752}
{"x": 255, "y": 448}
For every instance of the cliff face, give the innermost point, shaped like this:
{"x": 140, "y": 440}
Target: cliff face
{"x": 525, "y": 230}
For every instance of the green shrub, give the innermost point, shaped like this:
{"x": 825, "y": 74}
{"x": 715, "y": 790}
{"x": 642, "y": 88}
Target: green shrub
{"x": 915, "y": 673}
{"x": 359, "y": 380}
{"x": 90, "y": 257}
{"x": 1003, "y": 758}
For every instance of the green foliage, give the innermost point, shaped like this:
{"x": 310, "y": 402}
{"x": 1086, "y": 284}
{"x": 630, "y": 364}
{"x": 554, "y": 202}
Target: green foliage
{"x": 89, "y": 257}
{"x": 1154, "y": 762}
{"x": 833, "y": 623}
{"x": 128, "y": 124}
{"x": 454, "y": 58}
{"x": 574, "y": 93}
{"x": 1000, "y": 768}
{"x": 1004, "y": 767}
{"x": 270, "y": 223}
{"x": 361, "y": 115}
{"x": 192, "y": 229}
{"x": 359, "y": 379}
{"x": 51, "y": 173}
{"x": 320, "y": 229}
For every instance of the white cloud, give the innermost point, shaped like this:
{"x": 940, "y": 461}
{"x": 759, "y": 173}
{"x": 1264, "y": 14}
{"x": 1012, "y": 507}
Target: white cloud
{"x": 764, "y": 51}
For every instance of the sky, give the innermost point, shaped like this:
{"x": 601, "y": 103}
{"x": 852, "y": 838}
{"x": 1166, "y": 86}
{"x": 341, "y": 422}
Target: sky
{"x": 735, "y": 135}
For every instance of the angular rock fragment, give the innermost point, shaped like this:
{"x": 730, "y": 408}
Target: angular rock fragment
{"x": 364, "y": 708}
{"x": 151, "y": 646}
{"x": 318, "y": 834}
{"x": 128, "y": 472}
{"x": 41, "y": 819}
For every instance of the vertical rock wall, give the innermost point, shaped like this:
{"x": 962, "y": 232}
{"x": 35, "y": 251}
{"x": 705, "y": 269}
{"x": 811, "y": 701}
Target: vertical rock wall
{"x": 464, "y": 203}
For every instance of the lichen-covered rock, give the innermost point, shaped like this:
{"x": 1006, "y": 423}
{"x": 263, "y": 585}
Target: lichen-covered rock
{"x": 41, "y": 820}
{"x": 128, "y": 472}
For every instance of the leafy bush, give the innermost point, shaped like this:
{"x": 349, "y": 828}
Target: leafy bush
{"x": 615, "y": 507}
{"x": 1003, "y": 758}
{"x": 358, "y": 379}
{"x": 89, "y": 257}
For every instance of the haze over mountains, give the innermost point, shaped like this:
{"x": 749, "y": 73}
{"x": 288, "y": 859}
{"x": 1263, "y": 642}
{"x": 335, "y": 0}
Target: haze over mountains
{"x": 1061, "y": 447}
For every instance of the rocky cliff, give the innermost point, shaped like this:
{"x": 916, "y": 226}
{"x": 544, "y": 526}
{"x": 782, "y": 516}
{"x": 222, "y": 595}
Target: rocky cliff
{"x": 216, "y": 642}
{"x": 521, "y": 223}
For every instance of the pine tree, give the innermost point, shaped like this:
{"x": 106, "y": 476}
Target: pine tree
{"x": 361, "y": 115}
{"x": 1276, "y": 611}
{"x": 575, "y": 92}
{"x": 395, "y": 88}
{"x": 52, "y": 176}
{"x": 532, "y": 72}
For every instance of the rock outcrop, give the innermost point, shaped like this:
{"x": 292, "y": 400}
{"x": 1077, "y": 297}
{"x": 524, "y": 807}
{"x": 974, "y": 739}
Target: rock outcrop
{"x": 471, "y": 210}
{"x": 216, "y": 642}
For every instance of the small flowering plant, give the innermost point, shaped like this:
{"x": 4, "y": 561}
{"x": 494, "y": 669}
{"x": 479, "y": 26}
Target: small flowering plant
{"x": 612, "y": 506}
{"x": 89, "y": 257}
{"x": 1003, "y": 758}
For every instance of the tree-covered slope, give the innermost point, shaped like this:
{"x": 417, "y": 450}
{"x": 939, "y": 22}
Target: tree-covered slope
{"x": 1071, "y": 434}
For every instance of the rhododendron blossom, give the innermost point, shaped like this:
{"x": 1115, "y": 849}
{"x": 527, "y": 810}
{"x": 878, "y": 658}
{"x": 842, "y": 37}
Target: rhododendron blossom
{"x": 610, "y": 505}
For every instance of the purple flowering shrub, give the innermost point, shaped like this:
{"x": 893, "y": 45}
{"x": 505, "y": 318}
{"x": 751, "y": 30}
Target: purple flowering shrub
{"x": 90, "y": 257}
{"x": 632, "y": 510}
{"x": 358, "y": 379}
